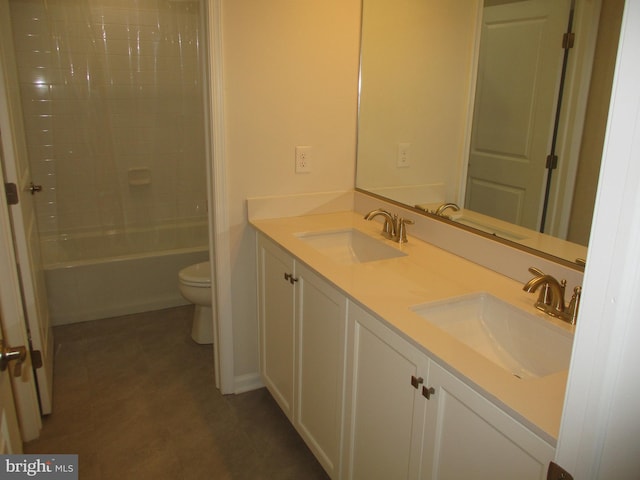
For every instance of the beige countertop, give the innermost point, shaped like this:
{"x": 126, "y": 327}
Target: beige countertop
{"x": 388, "y": 288}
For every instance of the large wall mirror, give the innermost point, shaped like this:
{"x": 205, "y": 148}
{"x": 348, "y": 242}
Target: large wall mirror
{"x": 492, "y": 106}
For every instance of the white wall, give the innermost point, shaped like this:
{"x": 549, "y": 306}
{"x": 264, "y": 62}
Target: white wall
{"x": 290, "y": 78}
{"x": 110, "y": 89}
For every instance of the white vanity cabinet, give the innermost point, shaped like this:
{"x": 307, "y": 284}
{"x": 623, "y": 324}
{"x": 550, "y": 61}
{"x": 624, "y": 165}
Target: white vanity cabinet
{"x": 467, "y": 436}
{"x": 369, "y": 403}
{"x": 385, "y": 414}
{"x": 303, "y": 347}
{"x": 277, "y": 315}
{"x": 411, "y": 418}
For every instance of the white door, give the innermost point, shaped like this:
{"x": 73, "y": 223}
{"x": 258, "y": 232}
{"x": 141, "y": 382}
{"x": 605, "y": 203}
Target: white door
{"x": 23, "y": 219}
{"x": 519, "y": 71}
{"x": 10, "y": 438}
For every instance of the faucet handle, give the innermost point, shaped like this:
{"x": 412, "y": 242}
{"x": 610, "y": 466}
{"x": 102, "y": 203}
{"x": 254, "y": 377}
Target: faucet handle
{"x": 563, "y": 287}
{"x": 536, "y": 271}
{"x": 402, "y": 229}
{"x": 574, "y": 305}
{"x": 389, "y": 230}
{"x": 544, "y": 296}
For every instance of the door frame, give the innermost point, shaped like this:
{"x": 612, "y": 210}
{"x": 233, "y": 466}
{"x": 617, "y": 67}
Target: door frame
{"x": 23, "y": 216}
{"x": 15, "y": 333}
{"x": 587, "y": 15}
{"x": 601, "y": 415}
{"x": 572, "y": 118}
{"x": 219, "y": 227}
{"x": 11, "y": 301}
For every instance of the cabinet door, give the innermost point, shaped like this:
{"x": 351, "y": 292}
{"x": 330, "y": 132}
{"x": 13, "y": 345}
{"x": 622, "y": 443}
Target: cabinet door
{"x": 321, "y": 331}
{"x": 386, "y": 412}
{"x": 276, "y": 321}
{"x": 467, "y": 436}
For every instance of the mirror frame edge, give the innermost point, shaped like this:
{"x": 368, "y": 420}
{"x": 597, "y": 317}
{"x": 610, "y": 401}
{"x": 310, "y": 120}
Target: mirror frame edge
{"x": 523, "y": 248}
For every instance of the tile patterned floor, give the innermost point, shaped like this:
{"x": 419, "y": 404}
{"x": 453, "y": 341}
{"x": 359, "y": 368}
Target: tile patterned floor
{"x": 134, "y": 397}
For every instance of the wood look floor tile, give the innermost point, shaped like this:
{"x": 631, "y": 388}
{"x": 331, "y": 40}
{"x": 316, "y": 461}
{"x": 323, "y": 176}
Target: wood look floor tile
{"x": 135, "y": 398}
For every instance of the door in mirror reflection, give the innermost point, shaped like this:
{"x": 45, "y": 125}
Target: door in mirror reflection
{"x": 519, "y": 71}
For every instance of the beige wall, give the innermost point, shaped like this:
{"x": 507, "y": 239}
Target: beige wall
{"x": 290, "y": 78}
{"x": 418, "y": 73}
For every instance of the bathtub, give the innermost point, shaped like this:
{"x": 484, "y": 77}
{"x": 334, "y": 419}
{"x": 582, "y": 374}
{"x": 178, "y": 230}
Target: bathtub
{"x": 93, "y": 275}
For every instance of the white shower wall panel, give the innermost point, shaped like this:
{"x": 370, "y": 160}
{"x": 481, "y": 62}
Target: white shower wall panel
{"x": 108, "y": 87}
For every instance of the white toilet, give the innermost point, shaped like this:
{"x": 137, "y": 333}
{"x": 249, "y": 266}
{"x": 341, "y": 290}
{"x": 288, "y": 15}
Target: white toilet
{"x": 195, "y": 285}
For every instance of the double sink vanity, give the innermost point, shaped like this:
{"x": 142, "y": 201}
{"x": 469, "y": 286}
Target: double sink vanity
{"x": 402, "y": 360}
{"x": 438, "y": 346}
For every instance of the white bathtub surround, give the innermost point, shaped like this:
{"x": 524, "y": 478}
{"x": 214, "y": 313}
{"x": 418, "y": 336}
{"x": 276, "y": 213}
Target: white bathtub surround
{"x": 92, "y": 276}
{"x": 112, "y": 98}
{"x": 62, "y": 251}
{"x": 113, "y": 105}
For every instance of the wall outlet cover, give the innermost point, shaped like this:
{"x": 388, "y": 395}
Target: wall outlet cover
{"x": 303, "y": 159}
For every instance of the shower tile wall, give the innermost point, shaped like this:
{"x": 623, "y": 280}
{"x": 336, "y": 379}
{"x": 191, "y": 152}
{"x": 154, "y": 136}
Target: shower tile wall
{"x": 113, "y": 111}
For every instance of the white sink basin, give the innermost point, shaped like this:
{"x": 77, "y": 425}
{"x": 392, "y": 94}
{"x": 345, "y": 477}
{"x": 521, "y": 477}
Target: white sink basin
{"x": 520, "y": 342}
{"x": 349, "y": 246}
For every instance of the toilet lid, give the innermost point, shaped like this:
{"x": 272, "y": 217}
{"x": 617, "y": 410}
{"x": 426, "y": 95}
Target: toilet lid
{"x": 198, "y": 274}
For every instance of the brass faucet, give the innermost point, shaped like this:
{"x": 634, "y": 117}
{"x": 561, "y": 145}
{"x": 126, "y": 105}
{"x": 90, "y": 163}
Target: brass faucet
{"x": 402, "y": 230}
{"x": 441, "y": 209}
{"x": 394, "y": 228}
{"x": 551, "y": 296}
{"x": 389, "y": 230}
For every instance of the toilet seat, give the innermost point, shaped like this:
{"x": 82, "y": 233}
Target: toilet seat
{"x": 198, "y": 275}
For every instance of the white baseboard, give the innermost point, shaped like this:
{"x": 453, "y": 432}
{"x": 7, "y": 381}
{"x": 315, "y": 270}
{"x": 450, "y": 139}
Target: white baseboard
{"x": 247, "y": 382}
